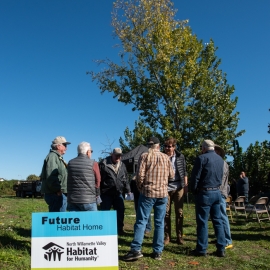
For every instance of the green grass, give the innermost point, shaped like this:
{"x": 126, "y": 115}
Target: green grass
{"x": 251, "y": 243}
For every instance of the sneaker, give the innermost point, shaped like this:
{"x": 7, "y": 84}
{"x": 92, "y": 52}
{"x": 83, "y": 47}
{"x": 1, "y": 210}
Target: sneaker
{"x": 197, "y": 253}
{"x": 121, "y": 233}
{"x": 220, "y": 253}
{"x": 132, "y": 255}
{"x": 156, "y": 256}
{"x": 229, "y": 246}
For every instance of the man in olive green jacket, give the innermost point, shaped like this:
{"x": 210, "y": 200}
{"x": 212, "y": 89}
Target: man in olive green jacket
{"x": 54, "y": 176}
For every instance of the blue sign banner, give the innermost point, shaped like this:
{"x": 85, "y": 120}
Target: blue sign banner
{"x": 64, "y": 224}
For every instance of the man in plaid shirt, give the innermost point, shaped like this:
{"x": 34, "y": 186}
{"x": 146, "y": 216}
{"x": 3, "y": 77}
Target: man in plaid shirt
{"x": 153, "y": 174}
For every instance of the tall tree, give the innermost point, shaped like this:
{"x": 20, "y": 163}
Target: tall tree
{"x": 255, "y": 161}
{"x": 257, "y": 164}
{"x": 139, "y": 135}
{"x": 169, "y": 76}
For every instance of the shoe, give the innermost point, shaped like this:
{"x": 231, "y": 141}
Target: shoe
{"x": 121, "y": 233}
{"x": 166, "y": 240}
{"x": 229, "y": 246}
{"x": 180, "y": 241}
{"x": 197, "y": 253}
{"x": 132, "y": 255}
{"x": 156, "y": 256}
{"x": 220, "y": 253}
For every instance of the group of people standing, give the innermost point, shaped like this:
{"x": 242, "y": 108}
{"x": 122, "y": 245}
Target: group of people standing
{"x": 161, "y": 179}
{"x": 83, "y": 183}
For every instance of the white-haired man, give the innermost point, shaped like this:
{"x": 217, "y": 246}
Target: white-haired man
{"x": 54, "y": 176}
{"x": 224, "y": 194}
{"x": 83, "y": 180}
{"x": 206, "y": 179}
{"x": 153, "y": 173}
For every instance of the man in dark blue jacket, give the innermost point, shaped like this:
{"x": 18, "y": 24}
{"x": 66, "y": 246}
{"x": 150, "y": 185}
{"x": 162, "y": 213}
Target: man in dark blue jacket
{"x": 206, "y": 178}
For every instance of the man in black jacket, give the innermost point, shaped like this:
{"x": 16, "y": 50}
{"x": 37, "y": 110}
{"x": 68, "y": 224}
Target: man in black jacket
{"x": 177, "y": 187}
{"x": 114, "y": 182}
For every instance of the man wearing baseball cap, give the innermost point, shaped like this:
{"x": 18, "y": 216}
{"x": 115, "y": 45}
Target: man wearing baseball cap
{"x": 54, "y": 176}
{"x": 114, "y": 182}
{"x": 224, "y": 194}
{"x": 206, "y": 179}
{"x": 153, "y": 173}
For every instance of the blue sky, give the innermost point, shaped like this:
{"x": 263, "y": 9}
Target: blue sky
{"x": 46, "y": 47}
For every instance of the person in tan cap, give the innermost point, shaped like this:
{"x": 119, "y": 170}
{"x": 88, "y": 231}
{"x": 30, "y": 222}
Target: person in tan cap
{"x": 54, "y": 176}
{"x": 114, "y": 182}
{"x": 206, "y": 179}
{"x": 224, "y": 194}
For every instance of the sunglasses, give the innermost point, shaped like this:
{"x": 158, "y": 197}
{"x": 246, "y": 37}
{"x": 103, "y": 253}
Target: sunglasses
{"x": 64, "y": 144}
{"x": 168, "y": 146}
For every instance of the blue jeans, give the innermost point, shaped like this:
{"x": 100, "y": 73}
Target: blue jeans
{"x": 75, "y": 207}
{"x": 117, "y": 201}
{"x": 225, "y": 220}
{"x": 145, "y": 206}
{"x": 136, "y": 201}
{"x": 209, "y": 202}
{"x": 54, "y": 202}
{"x": 64, "y": 204}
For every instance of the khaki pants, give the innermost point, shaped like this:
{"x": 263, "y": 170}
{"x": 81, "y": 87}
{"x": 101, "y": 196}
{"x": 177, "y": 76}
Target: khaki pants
{"x": 176, "y": 197}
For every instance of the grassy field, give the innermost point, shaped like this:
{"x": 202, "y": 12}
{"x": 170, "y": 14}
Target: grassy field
{"x": 251, "y": 243}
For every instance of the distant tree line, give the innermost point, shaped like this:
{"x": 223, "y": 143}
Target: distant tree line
{"x": 255, "y": 161}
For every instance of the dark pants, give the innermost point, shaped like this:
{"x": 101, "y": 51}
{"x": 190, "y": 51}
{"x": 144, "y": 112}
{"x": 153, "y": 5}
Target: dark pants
{"x": 117, "y": 201}
{"x": 54, "y": 202}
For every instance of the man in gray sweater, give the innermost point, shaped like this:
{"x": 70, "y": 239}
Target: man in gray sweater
{"x": 224, "y": 195}
{"x": 83, "y": 180}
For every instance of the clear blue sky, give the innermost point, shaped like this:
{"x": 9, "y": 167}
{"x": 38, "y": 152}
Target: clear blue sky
{"x": 46, "y": 47}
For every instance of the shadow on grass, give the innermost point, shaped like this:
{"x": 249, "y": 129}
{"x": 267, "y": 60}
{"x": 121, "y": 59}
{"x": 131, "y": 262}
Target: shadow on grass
{"x": 9, "y": 242}
{"x": 19, "y": 198}
{"x": 23, "y": 232}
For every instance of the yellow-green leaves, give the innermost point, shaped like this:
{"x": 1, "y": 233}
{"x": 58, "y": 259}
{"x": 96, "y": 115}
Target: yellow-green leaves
{"x": 170, "y": 76}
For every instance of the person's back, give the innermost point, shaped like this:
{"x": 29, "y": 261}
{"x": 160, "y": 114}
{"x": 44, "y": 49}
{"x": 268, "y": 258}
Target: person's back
{"x": 206, "y": 179}
{"x": 207, "y": 171}
{"x": 153, "y": 174}
{"x": 83, "y": 180}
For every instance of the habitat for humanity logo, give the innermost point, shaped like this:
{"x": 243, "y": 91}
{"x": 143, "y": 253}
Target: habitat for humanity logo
{"x": 53, "y": 252}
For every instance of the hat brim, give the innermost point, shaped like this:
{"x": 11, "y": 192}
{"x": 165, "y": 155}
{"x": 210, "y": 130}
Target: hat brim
{"x": 118, "y": 154}
{"x": 222, "y": 152}
{"x": 66, "y": 143}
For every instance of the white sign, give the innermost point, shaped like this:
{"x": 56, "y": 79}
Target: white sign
{"x": 74, "y": 240}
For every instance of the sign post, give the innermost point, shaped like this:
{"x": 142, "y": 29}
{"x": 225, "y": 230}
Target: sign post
{"x": 74, "y": 240}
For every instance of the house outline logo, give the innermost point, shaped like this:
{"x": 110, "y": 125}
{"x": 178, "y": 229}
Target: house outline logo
{"x": 53, "y": 252}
